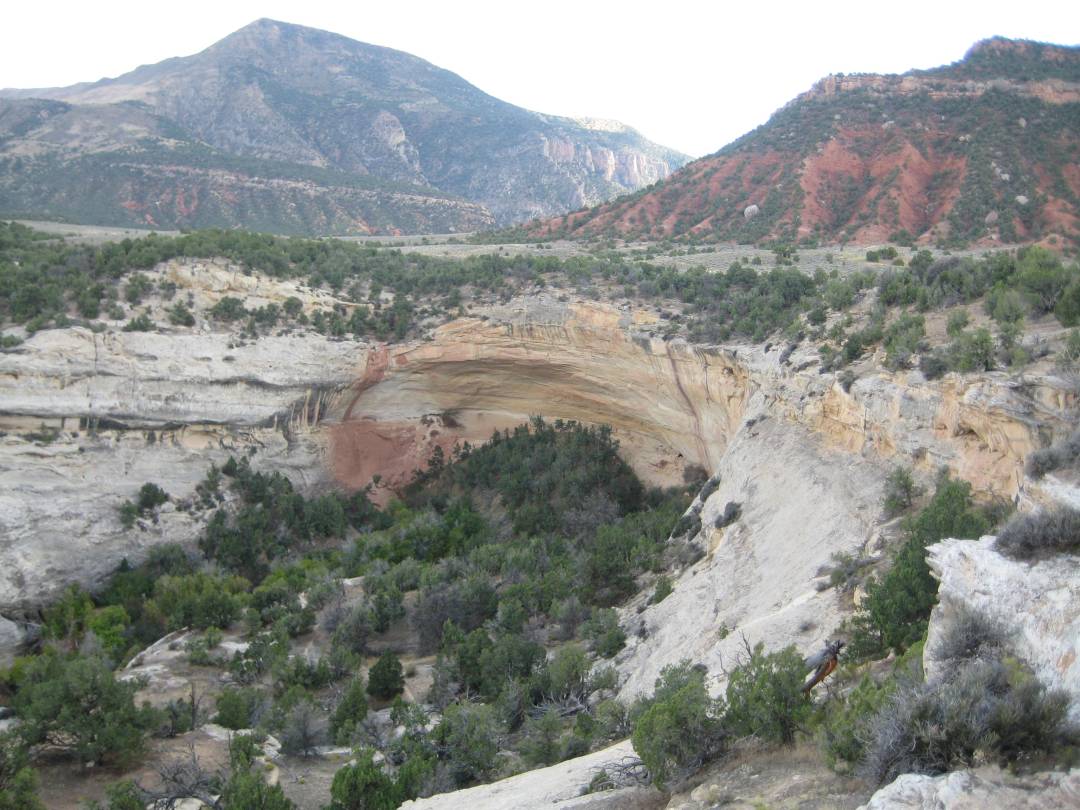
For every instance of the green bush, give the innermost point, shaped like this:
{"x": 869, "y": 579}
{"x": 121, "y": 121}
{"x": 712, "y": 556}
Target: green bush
{"x": 140, "y": 323}
{"x": 151, "y": 496}
{"x": 236, "y": 707}
{"x": 1067, "y": 308}
{"x": 663, "y": 590}
{"x": 180, "y": 315}
{"x": 764, "y": 696}
{"x": 129, "y": 513}
{"x": 354, "y": 630}
{"x": 679, "y": 728}
{"x": 933, "y": 365}
{"x": 228, "y": 309}
{"x": 542, "y": 743}
{"x": 957, "y": 323}
{"x": 842, "y": 729}
{"x": 1064, "y": 454}
{"x": 897, "y": 607}
{"x": 76, "y": 704}
{"x": 469, "y": 736}
{"x": 568, "y": 673}
{"x": 968, "y": 635}
{"x": 900, "y": 491}
{"x": 350, "y": 712}
{"x": 246, "y": 788}
{"x": 981, "y": 708}
{"x": 363, "y": 786}
{"x": 973, "y": 351}
{"x": 604, "y": 632}
{"x": 18, "y": 782}
{"x": 303, "y": 729}
{"x": 903, "y": 338}
{"x": 200, "y": 600}
{"x": 386, "y": 678}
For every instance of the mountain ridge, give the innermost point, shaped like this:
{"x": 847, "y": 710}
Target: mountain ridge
{"x": 295, "y": 95}
{"x": 937, "y": 156}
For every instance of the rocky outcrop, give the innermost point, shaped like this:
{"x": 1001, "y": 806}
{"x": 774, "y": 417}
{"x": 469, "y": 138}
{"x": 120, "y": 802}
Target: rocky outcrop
{"x": 977, "y": 790}
{"x": 801, "y": 502}
{"x": 669, "y": 402}
{"x": 10, "y": 639}
{"x": 88, "y": 418}
{"x": 804, "y": 457}
{"x": 558, "y": 786}
{"x": 1038, "y": 603}
{"x": 149, "y": 379}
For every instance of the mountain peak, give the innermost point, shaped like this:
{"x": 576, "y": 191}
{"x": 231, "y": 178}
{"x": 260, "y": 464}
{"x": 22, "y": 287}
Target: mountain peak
{"x": 276, "y": 100}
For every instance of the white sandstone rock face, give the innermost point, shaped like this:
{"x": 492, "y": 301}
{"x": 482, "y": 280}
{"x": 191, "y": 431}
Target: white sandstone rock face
{"x": 185, "y": 400}
{"x": 978, "y": 790}
{"x": 59, "y": 520}
{"x": 558, "y": 786}
{"x": 1039, "y": 602}
{"x": 801, "y": 502}
{"x": 147, "y": 379}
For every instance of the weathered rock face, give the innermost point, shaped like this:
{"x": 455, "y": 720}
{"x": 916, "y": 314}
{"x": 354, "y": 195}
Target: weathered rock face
{"x": 10, "y": 638}
{"x": 154, "y": 380}
{"x": 670, "y": 403}
{"x": 977, "y": 790}
{"x": 801, "y": 501}
{"x": 89, "y": 418}
{"x": 1038, "y": 602}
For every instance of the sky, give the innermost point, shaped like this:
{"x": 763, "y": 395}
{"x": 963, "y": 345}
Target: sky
{"x": 689, "y": 75}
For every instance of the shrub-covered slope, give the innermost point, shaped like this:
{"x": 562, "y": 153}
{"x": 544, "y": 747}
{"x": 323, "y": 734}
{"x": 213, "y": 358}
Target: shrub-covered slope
{"x": 984, "y": 150}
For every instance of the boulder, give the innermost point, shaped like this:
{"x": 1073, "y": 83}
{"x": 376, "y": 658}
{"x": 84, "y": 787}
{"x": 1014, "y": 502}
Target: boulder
{"x": 750, "y": 212}
{"x": 558, "y": 786}
{"x": 978, "y": 789}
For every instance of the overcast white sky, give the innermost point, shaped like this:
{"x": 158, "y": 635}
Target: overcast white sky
{"x": 690, "y": 75}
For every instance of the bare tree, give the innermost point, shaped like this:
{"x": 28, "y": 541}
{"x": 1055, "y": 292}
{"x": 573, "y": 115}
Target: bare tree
{"x": 183, "y": 778}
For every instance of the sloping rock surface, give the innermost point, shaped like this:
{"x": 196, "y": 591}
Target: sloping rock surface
{"x": 979, "y": 790}
{"x": 559, "y": 786}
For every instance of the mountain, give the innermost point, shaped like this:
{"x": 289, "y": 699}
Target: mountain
{"x": 984, "y": 150}
{"x": 291, "y": 129}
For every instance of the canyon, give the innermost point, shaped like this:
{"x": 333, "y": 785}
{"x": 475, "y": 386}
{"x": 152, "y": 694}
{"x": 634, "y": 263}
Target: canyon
{"x": 794, "y": 461}
{"x": 90, "y": 417}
